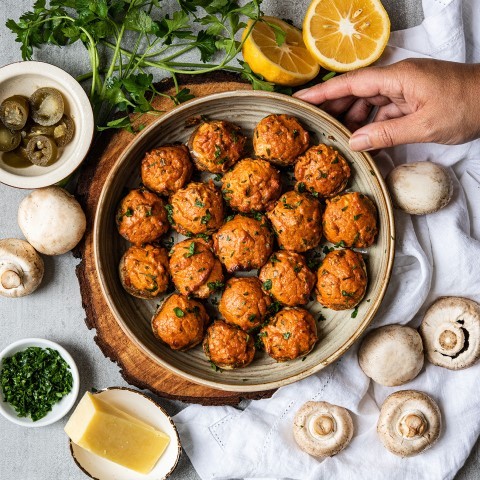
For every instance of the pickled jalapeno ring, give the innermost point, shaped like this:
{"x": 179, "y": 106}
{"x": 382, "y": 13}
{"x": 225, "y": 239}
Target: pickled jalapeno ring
{"x": 42, "y": 150}
{"x": 35, "y": 130}
{"x": 14, "y": 112}
{"x": 47, "y": 106}
{"x": 63, "y": 131}
{"x": 9, "y": 140}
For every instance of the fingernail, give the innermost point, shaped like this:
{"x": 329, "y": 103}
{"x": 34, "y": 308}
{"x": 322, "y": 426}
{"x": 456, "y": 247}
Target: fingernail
{"x": 301, "y": 93}
{"x": 360, "y": 143}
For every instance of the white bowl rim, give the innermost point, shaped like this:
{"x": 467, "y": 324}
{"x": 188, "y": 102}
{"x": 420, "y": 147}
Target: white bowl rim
{"x": 50, "y": 417}
{"x": 76, "y": 92}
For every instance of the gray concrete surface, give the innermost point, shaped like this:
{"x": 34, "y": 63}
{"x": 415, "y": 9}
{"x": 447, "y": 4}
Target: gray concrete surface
{"x": 55, "y": 311}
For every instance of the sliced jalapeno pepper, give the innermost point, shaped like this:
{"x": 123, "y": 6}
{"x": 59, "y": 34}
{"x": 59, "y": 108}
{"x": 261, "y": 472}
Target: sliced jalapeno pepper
{"x": 42, "y": 150}
{"x": 14, "y": 112}
{"x": 63, "y": 131}
{"x": 9, "y": 140}
{"x": 47, "y": 106}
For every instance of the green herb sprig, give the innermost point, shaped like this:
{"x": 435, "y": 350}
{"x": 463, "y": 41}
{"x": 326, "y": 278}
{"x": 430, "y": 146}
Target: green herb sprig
{"x": 159, "y": 41}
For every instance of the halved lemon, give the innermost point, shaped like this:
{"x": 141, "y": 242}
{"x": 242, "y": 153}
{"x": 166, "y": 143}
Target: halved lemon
{"x": 346, "y": 34}
{"x": 287, "y": 64}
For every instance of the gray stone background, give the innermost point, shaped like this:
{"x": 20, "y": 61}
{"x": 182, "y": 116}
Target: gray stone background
{"x": 55, "y": 310}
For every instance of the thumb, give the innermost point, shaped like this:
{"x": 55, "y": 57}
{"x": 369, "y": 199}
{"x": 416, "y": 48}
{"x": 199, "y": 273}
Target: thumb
{"x": 388, "y": 133}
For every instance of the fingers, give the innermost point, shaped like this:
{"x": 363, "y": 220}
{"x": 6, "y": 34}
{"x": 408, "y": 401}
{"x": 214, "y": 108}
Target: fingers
{"x": 339, "y": 106}
{"x": 366, "y": 82}
{"x": 358, "y": 114}
{"x": 388, "y": 133}
{"x": 388, "y": 112}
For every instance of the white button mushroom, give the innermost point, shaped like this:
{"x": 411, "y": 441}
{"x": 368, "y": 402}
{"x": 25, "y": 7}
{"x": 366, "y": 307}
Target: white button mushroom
{"x": 451, "y": 333}
{"x": 391, "y": 355}
{"x": 409, "y": 423}
{"x": 322, "y": 429}
{"x": 21, "y": 268}
{"x": 420, "y": 188}
{"x": 51, "y": 220}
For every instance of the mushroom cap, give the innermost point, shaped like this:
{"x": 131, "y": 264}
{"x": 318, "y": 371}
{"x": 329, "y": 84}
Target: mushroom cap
{"x": 421, "y": 187}
{"x": 21, "y": 268}
{"x": 391, "y": 355}
{"x": 322, "y": 429}
{"x": 451, "y": 332}
{"x": 51, "y": 220}
{"x": 409, "y": 422}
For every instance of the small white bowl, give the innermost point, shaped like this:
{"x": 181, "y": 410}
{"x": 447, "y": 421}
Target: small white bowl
{"x": 60, "y": 409}
{"x": 23, "y": 78}
{"x": 144, "y": 408}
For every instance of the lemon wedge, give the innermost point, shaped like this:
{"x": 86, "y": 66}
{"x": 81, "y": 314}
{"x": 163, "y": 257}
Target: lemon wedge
{"x": 287, "y": 62}
{"x": 346, "y": 34}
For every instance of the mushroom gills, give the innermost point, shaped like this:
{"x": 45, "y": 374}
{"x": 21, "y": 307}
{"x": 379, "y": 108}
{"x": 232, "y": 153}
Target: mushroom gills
{"x": 450, "y": 332}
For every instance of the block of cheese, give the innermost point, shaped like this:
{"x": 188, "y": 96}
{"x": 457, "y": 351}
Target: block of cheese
{"x": 115, "y": 435}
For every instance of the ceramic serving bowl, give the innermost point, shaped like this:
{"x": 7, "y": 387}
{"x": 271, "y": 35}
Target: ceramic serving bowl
{"x": 60, "y": 409}
{"x": 144, "y": 408}
{"x": 336, "y": 333}
{"x": 23, "y": 78}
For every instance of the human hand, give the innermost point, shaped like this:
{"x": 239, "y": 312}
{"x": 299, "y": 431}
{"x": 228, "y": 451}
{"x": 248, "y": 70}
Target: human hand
{"x": 419, "y": 100}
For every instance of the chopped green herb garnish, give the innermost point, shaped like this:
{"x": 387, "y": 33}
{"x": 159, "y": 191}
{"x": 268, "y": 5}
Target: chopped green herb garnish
{"x": 267, "y": 284}
{"x": 354, "y": 313}
{"x": 217, "y": 285}
{"x": 34, "y": 380}
{"x": 179, "y": 312}
{"x": 287, "y": 335}
{"x": 252, "y": 317}
{"x": 199, "y": 203}
{"x": 169, "y": 209}
{"x": 206, "y": 218}
{"x": 191, "y": 251}
{"x": 356, "y": 217}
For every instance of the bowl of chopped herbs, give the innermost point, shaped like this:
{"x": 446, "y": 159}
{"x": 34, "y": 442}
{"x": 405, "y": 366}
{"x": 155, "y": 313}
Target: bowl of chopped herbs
{"x": 39, "y": 382}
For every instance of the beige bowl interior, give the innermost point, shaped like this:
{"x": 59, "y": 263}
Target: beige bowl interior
{"x": 337, "y": 332}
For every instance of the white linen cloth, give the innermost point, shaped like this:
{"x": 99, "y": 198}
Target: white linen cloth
{"x": 436, "y": 255}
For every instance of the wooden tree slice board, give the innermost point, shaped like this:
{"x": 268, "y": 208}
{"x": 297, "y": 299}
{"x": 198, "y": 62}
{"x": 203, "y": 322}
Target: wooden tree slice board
{"x": 136, "y": 367}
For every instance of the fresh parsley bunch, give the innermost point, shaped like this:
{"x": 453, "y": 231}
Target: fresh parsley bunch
{"x": 141, "y": 36}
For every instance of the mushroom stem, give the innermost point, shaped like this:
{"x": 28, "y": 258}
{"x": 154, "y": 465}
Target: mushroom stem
{"x": 412, "y": 424}
{"x": 449, "y": 339}
{"x": 322, "y": 426}
{"x": 11, "y": 278}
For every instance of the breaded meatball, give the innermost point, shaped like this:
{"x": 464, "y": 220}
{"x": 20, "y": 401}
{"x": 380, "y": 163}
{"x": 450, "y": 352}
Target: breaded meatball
{"x": 280, "y": 139}
{"x": 323, "y": 170}
{"x": 252, "y": 185}
{"x": 144, "y": 271}
{"x": 141, "y": 217}
{"x": 244, "y": 303}
{"x": 215, "y": 146}
{"x": 197, "y": 208}
{"x": 341, "y": 280}
{"x": 194, "y": 268}
{"x": 287, "y": 278}
{"x": 290, "y": 334}
{"x": 166, "y": 169}
{"x": 297, "y": 221}
{"x": 227, "y": 346}
{"x": 243, "y": 243}
{"x": 180, "y": 322}
{"x": 350, "y": 220}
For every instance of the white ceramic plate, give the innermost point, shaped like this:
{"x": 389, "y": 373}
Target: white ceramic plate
{"x": 60, "y": 409}
{"x": 144, "y": 408}
{"x": 23, "y": 78}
